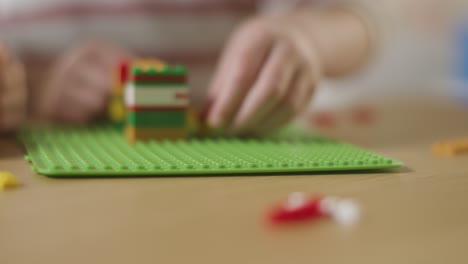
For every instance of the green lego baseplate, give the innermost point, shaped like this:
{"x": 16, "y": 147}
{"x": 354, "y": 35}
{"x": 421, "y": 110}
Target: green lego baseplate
{"x": 102, "y": 151}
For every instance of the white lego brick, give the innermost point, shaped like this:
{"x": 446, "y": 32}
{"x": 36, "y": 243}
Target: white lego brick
{"x": 155, "y": 96}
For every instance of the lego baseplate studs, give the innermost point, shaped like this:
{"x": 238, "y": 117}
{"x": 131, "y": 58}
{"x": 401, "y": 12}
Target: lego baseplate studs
{"x": 102, "y": 151}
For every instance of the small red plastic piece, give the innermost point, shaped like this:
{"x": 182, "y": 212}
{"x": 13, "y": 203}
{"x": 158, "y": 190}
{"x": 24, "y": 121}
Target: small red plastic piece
{"x": 308, "y": 211}
{"x": 323, "y": 119}
{"x": 364, "y": 115}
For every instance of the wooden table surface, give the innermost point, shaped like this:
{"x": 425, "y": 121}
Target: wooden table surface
{"x": 418, "y": 214}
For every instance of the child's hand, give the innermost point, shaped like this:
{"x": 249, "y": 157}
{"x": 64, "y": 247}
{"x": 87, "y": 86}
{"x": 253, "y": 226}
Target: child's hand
{"x": 12, "y": 92}
{"x": 266, "y": 76}
{"x": 80, "y": 83}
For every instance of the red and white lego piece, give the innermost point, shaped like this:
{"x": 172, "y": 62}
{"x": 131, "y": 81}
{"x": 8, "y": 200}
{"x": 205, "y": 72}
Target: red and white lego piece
{"x": 300, "y": 208}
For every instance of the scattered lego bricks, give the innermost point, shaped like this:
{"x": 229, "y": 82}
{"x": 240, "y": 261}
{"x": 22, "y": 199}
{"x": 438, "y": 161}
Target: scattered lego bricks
{"x": 300, "y": 208}
{"x": 362, "y": 115}
{"x": 451, "y": 147}
{"x": 7, "y": 180}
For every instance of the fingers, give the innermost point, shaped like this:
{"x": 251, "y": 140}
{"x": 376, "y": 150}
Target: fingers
{"x": 62, "y": 77}
{"x": 84, "y": 98}
{"x": 271, "y": 87}
{"x": 78, "y": 109}
{"x": 264, "y": 79}
{"x": 78, "y": 105}
{"x": 242, "y": 40}
{"x": 296, "y": 100}
{"x": 95, "y": 52}
{"x": 94, "y": 78}
{"x": 274, "y": 121}
{"x": 238, "y": 70}
{"x": 112, "y": 55}
{"x": 81, "y": 83}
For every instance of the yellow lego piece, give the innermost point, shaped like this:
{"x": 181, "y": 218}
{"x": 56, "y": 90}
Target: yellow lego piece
{"x": 451, "y": 147}
{"x": 7, "y": 180}
{"x": 116, "y": 109}
{"x": 134, "y": 134}
{"x": 157, "y": 64}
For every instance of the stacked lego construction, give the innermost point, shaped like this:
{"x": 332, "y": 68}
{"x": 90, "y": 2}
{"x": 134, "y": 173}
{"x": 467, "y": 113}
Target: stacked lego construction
{"x": 156, "y": 100}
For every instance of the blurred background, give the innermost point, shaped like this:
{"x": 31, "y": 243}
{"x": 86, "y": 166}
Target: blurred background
{"x": 418, "y": 77}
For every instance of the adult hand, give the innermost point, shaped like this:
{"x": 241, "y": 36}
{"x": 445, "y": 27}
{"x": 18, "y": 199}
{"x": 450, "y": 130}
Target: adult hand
{"x": 80, "y": 83}
{"x": 266, "y": 76}
{"x": 13, "y": 93}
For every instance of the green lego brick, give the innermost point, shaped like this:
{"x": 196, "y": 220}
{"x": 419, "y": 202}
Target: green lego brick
{"x": 157, "y": 119}
{"x": 168, "y": 70}
{"x": 103, "y": 152}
